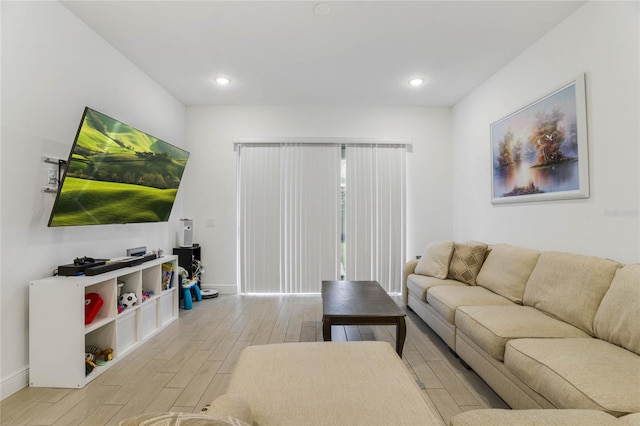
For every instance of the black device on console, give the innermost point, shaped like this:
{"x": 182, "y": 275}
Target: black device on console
{"x": 90, "y": 266}
{"x": 112, "y": 266}
{"x": 79, "y": 266}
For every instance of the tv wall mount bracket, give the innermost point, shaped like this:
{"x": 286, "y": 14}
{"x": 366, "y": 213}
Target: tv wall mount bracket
{"x": 52, "y": 181}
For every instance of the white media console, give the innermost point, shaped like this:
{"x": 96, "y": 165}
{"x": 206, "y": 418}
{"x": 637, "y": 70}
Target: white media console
{"x": 57, "y": 331}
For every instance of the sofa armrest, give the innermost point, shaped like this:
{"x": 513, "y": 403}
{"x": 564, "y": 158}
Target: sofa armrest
{"x": 409, "y": 268}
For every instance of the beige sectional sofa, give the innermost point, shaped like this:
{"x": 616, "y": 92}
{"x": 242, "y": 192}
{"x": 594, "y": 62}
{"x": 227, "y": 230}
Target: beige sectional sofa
{"x": 543, "y": 329}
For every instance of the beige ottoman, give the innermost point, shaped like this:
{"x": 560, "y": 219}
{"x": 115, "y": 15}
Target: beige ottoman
{"x": 329, "y": 383}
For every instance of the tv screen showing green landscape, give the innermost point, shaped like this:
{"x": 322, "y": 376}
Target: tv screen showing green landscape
{"x": 117, "y": 174}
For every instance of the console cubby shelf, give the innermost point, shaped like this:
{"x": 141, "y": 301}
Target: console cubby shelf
{"x": 57, "y": 332}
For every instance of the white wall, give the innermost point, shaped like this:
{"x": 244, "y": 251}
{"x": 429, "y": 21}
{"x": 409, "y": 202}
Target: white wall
{"x": 601, "y": 40}
{"x": 52, "y": 67}
{"x": 212, "y": 195}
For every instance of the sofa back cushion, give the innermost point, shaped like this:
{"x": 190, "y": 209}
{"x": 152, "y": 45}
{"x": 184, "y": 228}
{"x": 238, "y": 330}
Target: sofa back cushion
{"x": 569, "y": 286}
{"x": 618, "y": 318}
{"x": 435, "y": 260}
{"x": 506, "y": 271}
{"x": 466, "y": 261}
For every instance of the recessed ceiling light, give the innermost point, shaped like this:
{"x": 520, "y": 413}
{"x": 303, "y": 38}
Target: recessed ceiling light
{"x": 222, "y": 81}
{"x": 322, "y": 9}
{"x": 416, "y": 82}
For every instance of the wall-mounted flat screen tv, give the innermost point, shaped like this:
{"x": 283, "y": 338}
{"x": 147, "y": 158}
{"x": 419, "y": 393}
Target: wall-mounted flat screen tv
{"x": 117, "y": 174}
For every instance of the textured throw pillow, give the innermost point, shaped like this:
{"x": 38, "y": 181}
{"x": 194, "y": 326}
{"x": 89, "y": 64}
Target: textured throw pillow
{"x": 435, "y": 260}
{"x": 466, "y": 261}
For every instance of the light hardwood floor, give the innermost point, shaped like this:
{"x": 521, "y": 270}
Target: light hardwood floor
{"x": 187, "y": 365}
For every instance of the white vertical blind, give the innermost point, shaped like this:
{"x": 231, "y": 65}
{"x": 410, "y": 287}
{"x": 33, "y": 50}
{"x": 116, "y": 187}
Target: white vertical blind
{"x": 289, "y": 204}
{"x": 375, "y": 224}
{"x": 259, "y": 218}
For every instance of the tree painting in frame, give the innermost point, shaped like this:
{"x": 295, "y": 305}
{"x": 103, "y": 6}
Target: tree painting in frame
{"x": 540, "y": 151}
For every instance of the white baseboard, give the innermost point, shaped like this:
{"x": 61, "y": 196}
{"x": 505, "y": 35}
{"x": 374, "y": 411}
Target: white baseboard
{"x": 13, "y": 384}
{"x": 222, "y": 288}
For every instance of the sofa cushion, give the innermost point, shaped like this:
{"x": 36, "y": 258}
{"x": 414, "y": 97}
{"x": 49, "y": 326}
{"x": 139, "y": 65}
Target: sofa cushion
{"x": 632, "y": 419}
{"x": 445, "y": 299}
{"x": 507, "y": 269}
{"x": 618, "y": 317}
{"x": 578, "y": 373}
{"x": 541, "y": 417}
{"x": 491, "y": 327}
{"x": 419, "y": 284}
{"x": 569, "y": 286}
{"x": 466, "y": 261}
{"x": 435, "y": 260}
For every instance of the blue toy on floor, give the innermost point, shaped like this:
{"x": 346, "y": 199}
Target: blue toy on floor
{"x": 187, "y": 287}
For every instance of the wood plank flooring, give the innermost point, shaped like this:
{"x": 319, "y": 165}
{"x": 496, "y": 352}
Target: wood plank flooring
{"x": 189, "y": 364}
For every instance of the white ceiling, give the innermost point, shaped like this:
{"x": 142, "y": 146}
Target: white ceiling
{"x": 360, "y": 53}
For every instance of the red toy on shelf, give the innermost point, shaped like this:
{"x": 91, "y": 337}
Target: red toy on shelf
{"x": 92, "y": 304}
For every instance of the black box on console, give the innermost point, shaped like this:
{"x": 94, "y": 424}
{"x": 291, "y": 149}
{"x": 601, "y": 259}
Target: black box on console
{"x": 78, "y": 269}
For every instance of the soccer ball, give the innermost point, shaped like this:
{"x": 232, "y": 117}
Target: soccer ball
{"x": 128, "y": 300}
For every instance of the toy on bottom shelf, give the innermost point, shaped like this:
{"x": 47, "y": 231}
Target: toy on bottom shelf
{"x": 89, "y": 363}
{"x": 108, "y": 354}
{"x": 94, "y": 357}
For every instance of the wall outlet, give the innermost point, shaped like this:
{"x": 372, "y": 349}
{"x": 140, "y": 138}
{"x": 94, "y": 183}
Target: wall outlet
{"x": 53, "y": 176}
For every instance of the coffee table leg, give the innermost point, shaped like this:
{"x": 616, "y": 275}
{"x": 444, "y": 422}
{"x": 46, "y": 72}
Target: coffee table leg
{"x": 326, "y": 330}
{"x": 401, "y": 334}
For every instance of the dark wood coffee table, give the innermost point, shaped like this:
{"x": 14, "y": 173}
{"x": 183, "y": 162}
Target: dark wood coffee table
{"x": 360, "y": 303}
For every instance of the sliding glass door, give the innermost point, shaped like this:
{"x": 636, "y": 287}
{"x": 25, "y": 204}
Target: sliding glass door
{"x": 374, "y": 214}
{"x": 319, "y": 211}
{"x": 289, "y": 205}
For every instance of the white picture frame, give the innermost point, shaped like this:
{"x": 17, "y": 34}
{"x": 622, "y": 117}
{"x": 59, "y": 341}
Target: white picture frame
{"x": 540, "y": 152}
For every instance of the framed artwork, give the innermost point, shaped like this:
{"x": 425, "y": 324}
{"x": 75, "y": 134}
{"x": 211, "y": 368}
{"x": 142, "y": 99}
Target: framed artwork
{"x": 540, "y": 152}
